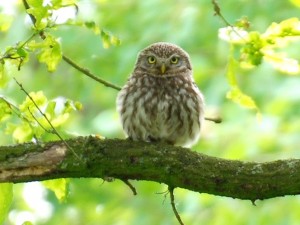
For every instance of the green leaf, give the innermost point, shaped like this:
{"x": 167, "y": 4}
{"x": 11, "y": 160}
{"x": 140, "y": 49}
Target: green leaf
{"x": 40, "y": 13}
{"x": 92, "y": 26}
{"x": 296, "y": 2}
{"x": 71, "y": 106}
{"x": 50, "y": 53}
{"x": 38, "y": 97}
{"x": 22, "y": 53}
{"x": 5, "y": 22}
{"x": 235, "y": 94}
{"x": 20, "y": 133}
{"x": 232, "y": 64}
{"x": 286, "y": 28}
{"x": 252, "y": 51}
{"x": 3, "y": 75}
{"x": 56, "y": 4}
{"x": 60, "y": 119}
{"x": 5, "y": 110}
{"x": 78, "y": 105}
{"x": 283, "y": 64}
{"x": 6, "y": 197}
{"x": 59, "y": 187}
{"x": 108, "y": 39}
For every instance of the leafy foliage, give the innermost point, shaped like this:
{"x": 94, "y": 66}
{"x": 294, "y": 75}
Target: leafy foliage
{"x": 254, "y": 47}
{"x": 49, "y": 52}
{"x": 260, "y": 52}
{"x": 33, "y": 124}
{"x": 6, "y": 196}
{"x": 59, "y": 187}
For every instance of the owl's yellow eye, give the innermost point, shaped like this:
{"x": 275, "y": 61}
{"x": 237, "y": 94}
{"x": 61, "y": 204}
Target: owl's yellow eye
{"x": 151, "y": 59}
{"x": 174, "y": 60}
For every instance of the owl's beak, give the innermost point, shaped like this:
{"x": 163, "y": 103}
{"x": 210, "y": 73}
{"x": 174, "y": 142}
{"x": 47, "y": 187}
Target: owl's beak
{"x": 163, "y": 68}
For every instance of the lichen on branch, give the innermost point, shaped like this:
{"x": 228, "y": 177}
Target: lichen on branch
{"x": 158, "y": 162}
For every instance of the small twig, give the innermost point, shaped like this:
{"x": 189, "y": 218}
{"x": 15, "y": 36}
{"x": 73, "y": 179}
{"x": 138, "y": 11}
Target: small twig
{"x": 132, "y": 188}
{"x": 217, "y": 11}
{"x": 26, "y": 5}
{"x": 216, "y": 120}
{"x": 89, "y": 74}
{"x": 33, "y": 19}
{"x": 171, "y": 190}
{"x": 33, "y": 116}
{"x": 165, "y": 193}
{"x": 54, "y": 131}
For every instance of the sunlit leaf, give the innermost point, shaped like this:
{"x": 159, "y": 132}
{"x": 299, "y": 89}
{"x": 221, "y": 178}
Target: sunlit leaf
{"x": 6, "y": 196}
{"x": 296, "y": 2}
{"x": 3, "y": 75}
{"x": 78, "y": 105}
{"x": 284, "y": 64}
{"x": 56, "y": 3}
{"x": 92, "y": 26}
{"x": 60, "y": 119}
{"x": 243, "y": 23}
{"x": 59, "y": 3}
{"x": 59, "y": 187}
{"x": 40, "y": 13}
{"x": 231, "y": 67}
{"x": 236, "y": 95}
{"x": 20, "y": 133}
{"x": 252, "y": 50}
{"x": 5, "y": 110}
{"x": 38, "y": 97}
{"x": 286, "y": 28}
{"x": 235, "y": 35}
{"x": 50, "y": 109}
{"x": 22, "y": 53}
{"x": 108, "y": 39}
{"x": 70, "y": 106}
{"x": 5, "y": 22}
{"x": 51, "y": 53}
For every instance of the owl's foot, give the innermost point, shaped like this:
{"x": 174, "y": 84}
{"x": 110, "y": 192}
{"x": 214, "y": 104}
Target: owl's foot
{"x": 156, "y": 140}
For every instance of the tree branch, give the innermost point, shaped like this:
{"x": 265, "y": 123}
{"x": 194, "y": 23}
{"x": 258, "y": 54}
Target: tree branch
{"x": 174, "y": 166}
{"x": 89, "y": 74}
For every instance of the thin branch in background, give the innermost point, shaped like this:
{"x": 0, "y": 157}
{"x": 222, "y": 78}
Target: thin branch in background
{"x": 26, "y": 5}
{"x": 89, "y": 74}
{"x": 54, "y": 131}
{"x": 165, "y": 193}
{"x": 132, "y": 188}
{"x": 216, "y": 120}
{"x": 33, "y": 116}
{"x": 218, "y": 13}
{"x": 171, "y": 190}
{"x": 33, "y": 19}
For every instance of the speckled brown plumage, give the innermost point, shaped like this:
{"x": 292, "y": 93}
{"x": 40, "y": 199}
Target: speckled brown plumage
{"x": 160, "y": 101}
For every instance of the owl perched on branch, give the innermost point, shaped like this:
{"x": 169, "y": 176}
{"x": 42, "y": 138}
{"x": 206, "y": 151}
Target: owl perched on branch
{"x": 160, "y": 101}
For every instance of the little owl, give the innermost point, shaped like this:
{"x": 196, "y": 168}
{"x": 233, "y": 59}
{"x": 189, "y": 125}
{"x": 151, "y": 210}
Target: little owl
{"x": 160, "y": 101}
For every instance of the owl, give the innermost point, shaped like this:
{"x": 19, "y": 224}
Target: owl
{"x": 160, "y": 101}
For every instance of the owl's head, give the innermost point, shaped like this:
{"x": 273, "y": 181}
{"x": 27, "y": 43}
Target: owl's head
{"x": 163, "y": 59}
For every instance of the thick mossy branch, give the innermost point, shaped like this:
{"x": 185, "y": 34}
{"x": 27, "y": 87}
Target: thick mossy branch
{"x": 174, "y": 166}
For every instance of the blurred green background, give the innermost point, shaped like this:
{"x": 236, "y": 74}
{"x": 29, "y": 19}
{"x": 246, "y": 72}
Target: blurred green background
{"x": 192, "y": 25}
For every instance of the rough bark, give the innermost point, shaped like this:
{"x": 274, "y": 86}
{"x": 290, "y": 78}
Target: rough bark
{"x": 174, "y": 166}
